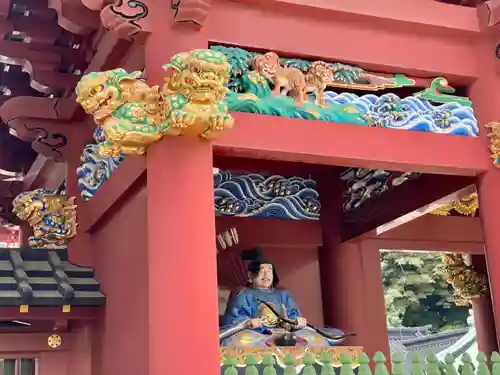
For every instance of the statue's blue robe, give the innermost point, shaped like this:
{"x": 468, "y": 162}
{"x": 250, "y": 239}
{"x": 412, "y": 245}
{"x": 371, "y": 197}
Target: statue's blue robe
{"x": 246, "y": 306}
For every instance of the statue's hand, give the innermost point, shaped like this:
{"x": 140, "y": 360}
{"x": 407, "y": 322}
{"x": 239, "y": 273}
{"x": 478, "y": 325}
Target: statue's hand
{"x": 254, "y": 323}
{"x": 301, "y": 322}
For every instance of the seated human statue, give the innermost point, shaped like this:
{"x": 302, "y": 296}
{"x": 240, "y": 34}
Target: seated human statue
{"x": 263, "y": 315}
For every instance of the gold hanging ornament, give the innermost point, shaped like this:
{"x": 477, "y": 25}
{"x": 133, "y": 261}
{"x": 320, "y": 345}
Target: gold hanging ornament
{"x": 466, "y": 206}
{"x": 467, "y": 282}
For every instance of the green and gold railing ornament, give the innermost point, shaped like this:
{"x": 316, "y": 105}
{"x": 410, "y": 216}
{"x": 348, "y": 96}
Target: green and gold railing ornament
{"x": 51, "y": 216}
{"x": 309, "y": 364}
{"x": 441, "y": 92}
{"x": 466, "y": 206}
{"x": 467, "y": 282}
{"x": 494, "y": 136}
{"x": 132, "y": 115}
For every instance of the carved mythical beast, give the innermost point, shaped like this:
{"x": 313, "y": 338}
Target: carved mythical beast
{"x": 133, "y": 115}
{"x": 51, "y": 216}
{"x": 194, "y": 94}
{"x": 466, "y": 281}
{"x": 127, "y": 109}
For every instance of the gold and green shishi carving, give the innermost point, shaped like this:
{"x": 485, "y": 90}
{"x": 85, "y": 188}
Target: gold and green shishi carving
{"x": 467, "y": 282}
{"x": 52, "y": 217}
{"x": 132, "y": 115}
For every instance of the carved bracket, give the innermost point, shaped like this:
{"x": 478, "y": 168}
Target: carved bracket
{"x": 45, "y": 129}
{"x": 489, "y": 14}
{"x": 127, "y": 20}
{"x": 192, "y": 12}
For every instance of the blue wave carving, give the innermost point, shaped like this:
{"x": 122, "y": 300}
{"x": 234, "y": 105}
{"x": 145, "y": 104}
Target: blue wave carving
{"x": 254, "y": 195}
{"x": 95, "y": 170}
{"x": 411, "y": 113}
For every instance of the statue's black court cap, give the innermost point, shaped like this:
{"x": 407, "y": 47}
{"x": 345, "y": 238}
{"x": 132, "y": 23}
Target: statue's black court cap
{"x": 255, "y": 260}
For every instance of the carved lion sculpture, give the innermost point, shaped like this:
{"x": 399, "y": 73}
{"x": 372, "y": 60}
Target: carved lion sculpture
{"x": 194, "y": 93}
{"x": 51, "y": 216}
{"x": 133, "y": 115}
{"x": 318, "y": 76}
{"x": 127, "y": 109}
{"x": 286, "y": 80}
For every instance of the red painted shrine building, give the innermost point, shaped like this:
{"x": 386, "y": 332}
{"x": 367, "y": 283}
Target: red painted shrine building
{"x": 320, "y": 132}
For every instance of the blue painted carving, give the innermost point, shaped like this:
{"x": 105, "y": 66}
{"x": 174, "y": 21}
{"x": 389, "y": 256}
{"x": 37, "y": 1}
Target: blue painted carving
{"x": 253, "y": 78}
{"x": 95, "y": 169}
{"x": 362, "y": 184}
{"x": 411, "y": 113}
{"x": 254, "y": 195}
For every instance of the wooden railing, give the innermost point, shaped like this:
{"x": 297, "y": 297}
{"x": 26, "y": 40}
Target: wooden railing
{"x": 325, "y": 364}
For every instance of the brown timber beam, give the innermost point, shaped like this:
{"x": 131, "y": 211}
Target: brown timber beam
{"x": 458, "y": 234}
{"x": 400, "y": 201}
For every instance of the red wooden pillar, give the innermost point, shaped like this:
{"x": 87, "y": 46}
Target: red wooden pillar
{"x": 183, "y": 303}
{"x": 483, "y": 315}
{"x": 485, "y": 97}
{"x": 351, "y": 277}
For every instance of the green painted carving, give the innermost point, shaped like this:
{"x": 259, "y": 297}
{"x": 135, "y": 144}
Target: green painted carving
{"x": 230, "y": 362}
{"x": 266, "y": 84}
{"x": 450, "y": 365}
{"x": 251, "y": 362}
{"x": 380, "y": 367}
{"x": 467, "y": 368}
{"x": 346, "y": 365}
{"x": 416, "y": 365}
{"x": 327, "y": 360}
{"x": 439, "y": 92}
{"x": 321, "y": 363}
{"x": 251, "y": 89}
{"x": 308, "y": 362}
{"x": 482, "y": 367}
{"x": 364, "y": 365}
{"x": 398, "y": 364}
{"x": 269, "y": 362}
{"x": 289, "y": 362}
{"x": 432, "y": 365}
{"x": 495, "y": 363}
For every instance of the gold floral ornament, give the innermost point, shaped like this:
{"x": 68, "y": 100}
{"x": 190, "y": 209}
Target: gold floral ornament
{"x": 494, "y": 136}
{"x": 54, "y": 341}
{"x": 467, "y": 283}
{"x": 466, "y": 206}
{"x": 133, "y": 115}
{"x": 51, "y": 216}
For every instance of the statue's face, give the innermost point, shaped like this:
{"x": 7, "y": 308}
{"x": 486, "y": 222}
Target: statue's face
{"x": 264, "y": 279}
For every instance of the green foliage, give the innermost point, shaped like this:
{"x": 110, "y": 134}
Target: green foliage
{"x": 346, "y": 73}
{"x": 416, "y": 293}
{"x": 240, "y": 61}
{"x": 302, "y": 65}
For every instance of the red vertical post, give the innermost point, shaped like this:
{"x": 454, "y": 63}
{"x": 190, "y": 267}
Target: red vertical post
{"x": 351, "y": 276}
{"x": 485, "y": 98}
{"x": 183, "y": 304}
{"x": 482, "y": 310}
